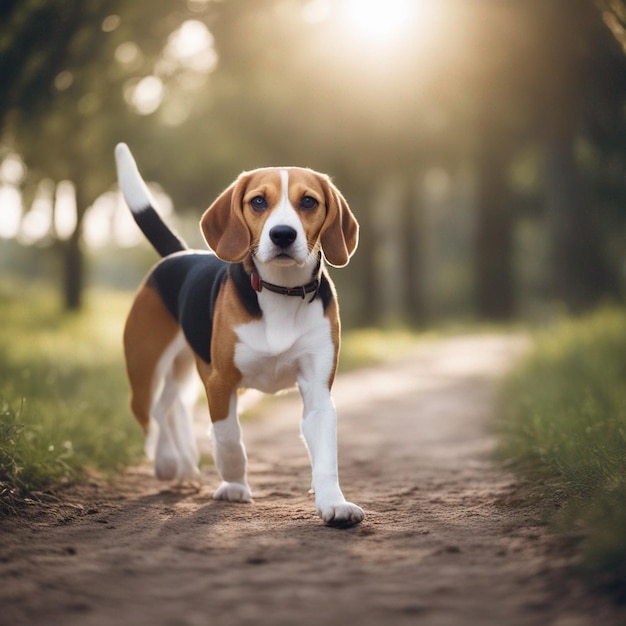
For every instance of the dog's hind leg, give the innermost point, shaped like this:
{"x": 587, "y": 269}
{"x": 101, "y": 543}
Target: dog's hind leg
{"x": 185, "y": 441}
{"x": 160, "y": 368}
{"x": 166, "y": 456}
{"x": 176, "y": 454}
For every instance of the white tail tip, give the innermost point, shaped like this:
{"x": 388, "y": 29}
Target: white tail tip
{"x": 135, "y": 191}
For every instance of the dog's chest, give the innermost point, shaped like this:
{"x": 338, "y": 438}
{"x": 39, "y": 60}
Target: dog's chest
{"x": 270, "y": 352}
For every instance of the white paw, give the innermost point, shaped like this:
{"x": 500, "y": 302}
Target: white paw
{"x": 172, "y": 467}
{"x": 166, "y": 466}
{"x": 341, "y": 515}
{"x": 233, "y": 492}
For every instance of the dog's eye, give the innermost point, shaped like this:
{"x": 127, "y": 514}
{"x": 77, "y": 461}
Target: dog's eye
{"x": 258, "y": 203}
{"x": 308, "y": 203}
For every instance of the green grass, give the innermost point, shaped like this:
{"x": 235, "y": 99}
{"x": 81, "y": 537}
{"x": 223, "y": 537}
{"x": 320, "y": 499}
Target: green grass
{"x": 565, "y": 429}
{"x": 63, "y": 394}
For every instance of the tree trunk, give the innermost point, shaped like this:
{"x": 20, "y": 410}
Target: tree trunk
{"x": 73, "y": 257}
{"x": 367, "y": 312}
{"x": 494, "y": 275}
{"x": 73, "y": 274}
{"x": 580, "y": 273}
{"x": 413, "y": 262}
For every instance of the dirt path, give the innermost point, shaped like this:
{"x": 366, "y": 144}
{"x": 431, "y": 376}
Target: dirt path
{"x": 440, "y": 545}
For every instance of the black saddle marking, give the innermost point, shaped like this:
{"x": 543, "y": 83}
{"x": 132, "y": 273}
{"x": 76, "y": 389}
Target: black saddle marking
{"x": 189, "y": 283}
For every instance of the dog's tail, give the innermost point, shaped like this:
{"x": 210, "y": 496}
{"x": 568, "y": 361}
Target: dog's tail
{"x": 139, "y": 200}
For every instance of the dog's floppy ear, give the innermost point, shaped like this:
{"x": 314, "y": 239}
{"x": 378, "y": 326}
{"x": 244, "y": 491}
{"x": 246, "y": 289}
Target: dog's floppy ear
{"x": 340, "y": 231}
{"x": 223, "y": 225}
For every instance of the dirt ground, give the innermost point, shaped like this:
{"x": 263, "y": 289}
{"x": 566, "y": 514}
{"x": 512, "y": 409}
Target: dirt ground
{"x": 446, "y": 540}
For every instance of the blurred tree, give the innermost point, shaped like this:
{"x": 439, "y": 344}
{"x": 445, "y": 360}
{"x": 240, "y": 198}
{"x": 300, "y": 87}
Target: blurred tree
{"x": 468, "y": 88}
{"x": 308, "y": 99}
{"x": 580, "y": 95}
{"x": 43, "y": 47}
{"x": 551, "y": 72}
{"x": 63, "y": 106}
{"x": 496, "y": 87}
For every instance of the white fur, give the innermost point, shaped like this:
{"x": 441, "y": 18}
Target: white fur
{"x": 270, "y": 351}
{"x": 296, "y": 346}
{"x": 290, "y": 344}
{"x": 170, "y": 440}
{"x": 284, "y": 215}
{"x": 230, "y": 457}
{"x": 135, "y": 190}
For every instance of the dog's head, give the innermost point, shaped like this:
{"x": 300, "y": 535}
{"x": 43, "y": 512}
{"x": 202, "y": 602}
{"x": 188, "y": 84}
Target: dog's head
{"x": 281, "y": 216}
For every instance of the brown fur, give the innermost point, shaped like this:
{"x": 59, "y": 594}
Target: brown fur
{"x": 149, "y": 330}
{"x": 231, "y": 228}
{"x": 221, "y": 377}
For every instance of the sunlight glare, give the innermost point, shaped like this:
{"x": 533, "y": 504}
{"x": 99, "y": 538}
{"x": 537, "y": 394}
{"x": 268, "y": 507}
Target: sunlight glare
{"x": 128, "y": 54}
{"x": 146, "y": 95}
{"x": 379, "y": 21}
{"x": 11, "y": 203}
{"x": 37, "y": 223}
{"x": 65, "y": 218}
{"x": 109, "y": 222}
{"x": 192, "y": 46}
{"x": 12, "y": 170}
{"x": 97, "y": 222}
{"x": 317, "y": 11}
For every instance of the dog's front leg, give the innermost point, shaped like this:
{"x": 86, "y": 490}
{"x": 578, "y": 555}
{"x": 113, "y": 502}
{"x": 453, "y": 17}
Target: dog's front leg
{"x": 230, "y": 456}
{"x": 319, "y": 428}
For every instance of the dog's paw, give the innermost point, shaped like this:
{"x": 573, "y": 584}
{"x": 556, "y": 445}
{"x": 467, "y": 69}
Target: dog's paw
{"x": 166, "y": 466}
{"x": 233, "y": 492}
{"x": 172, "y": 467}
{"x": 342, "y": 515}
{"x": 188, "y": 472}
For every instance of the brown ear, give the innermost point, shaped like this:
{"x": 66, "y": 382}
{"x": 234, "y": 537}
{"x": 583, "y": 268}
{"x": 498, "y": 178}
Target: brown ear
{"x": 223, "y": 226}
{"x": 340, "y": 232}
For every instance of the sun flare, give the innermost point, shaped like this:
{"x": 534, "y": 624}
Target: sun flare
{"x": 379, "y": 22}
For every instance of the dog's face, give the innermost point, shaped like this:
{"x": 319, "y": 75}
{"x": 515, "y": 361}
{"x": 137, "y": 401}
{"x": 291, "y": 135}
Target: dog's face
{"x": 282, "y": 216}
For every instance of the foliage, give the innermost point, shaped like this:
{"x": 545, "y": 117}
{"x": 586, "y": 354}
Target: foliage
{"x": 63, "y": 394}
{"x": 64, "y": 97}
{"x": 440, "y": 114}
{"x": 63, "y": 397}
{"x": 565, "y": 428}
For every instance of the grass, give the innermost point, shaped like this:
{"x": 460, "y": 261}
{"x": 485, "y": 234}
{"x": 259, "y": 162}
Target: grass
{"x": 565, "y": 429}
{"x": 63, "y": 395}
{"x": 63, "y": 392}
{"x": 64, "y": 411}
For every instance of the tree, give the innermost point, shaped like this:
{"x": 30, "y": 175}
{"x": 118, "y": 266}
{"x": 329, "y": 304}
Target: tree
{"x": 63, "y": 108}
{"x": 497, "y": 89}
{"x": 468, "y": 90}
{"x": 585, "y": 87}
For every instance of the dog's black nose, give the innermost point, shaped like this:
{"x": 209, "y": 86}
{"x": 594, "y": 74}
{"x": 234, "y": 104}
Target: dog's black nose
{"x": 283, "y": 236}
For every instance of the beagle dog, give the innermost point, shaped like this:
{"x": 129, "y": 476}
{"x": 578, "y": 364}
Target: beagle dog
{"x": 260, "y": 312}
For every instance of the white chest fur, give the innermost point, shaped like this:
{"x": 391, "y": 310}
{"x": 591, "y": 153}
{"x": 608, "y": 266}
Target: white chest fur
{"x": 272, "y": 352}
